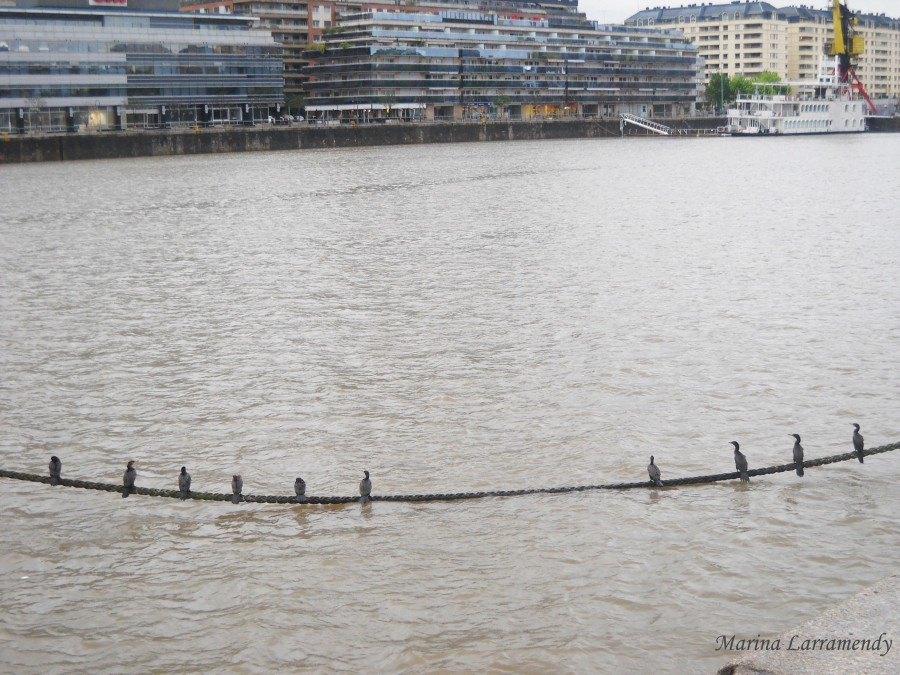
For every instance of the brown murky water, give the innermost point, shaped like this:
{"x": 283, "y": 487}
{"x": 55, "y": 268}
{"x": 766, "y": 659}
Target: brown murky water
{"x": 451, "y": 318}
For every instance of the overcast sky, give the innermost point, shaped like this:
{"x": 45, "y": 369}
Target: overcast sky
{"x": 616, "y": 11}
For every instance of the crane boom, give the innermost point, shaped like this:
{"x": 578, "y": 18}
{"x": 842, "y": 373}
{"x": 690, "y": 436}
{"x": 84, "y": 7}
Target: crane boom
{"x": 837, "y": 45}
{"x": 847, "y": 46}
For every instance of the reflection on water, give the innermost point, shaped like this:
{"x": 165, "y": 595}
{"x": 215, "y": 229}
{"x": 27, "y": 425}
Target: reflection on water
{"x": 453, "y": 319}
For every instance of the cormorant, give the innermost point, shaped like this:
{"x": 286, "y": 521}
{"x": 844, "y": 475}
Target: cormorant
{"x": 237, "y": 485}
{"x": 740, "y": 462}
{"x": 858, "y": 443}
{"x": 365, "y": 488}
{"x": 798, "y": 454}
{"x": 128, "y": 479}
{"x": 653, "y": 470}
{"x": 55, "y": 470}
{"x": 184, "y": 484}
{"x": 300, "y": 490}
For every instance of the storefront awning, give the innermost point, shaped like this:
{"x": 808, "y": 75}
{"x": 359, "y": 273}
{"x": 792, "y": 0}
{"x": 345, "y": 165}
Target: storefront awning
{"x": 365, "y": 106}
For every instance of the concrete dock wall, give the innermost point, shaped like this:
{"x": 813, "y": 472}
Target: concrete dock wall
{"x": 110, "y": 145}
{"x": 884, "y": 124}
{"x": 858, "y": 635}
{"x": 161, "y": 143}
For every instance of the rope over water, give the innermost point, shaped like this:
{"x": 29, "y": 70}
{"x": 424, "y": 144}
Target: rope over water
{"x": 281, "y": 499}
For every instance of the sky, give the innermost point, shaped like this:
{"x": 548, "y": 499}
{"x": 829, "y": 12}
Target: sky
{"x": 616, "y": 11}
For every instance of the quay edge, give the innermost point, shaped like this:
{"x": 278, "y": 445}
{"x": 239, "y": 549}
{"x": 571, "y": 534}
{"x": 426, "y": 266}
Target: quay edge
{"x": 164, "y": 143}
{"x": 869, "y": 615}
{"x": 161, "y": 143}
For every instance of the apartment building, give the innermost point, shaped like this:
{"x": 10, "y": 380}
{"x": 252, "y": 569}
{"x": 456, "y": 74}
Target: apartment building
{"x": 294, "y": 25}
{"x": 136, "y": 63}
{"x": 879, "y": 65}
{"x": 746, "y": 38}
{"x": 449, "y": 64}
{"x": 297, "y": 25}
{"x": 737, "y": 38}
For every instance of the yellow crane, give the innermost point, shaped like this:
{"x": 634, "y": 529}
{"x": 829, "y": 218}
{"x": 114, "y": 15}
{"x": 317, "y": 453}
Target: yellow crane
{"x": 847, "y": 46}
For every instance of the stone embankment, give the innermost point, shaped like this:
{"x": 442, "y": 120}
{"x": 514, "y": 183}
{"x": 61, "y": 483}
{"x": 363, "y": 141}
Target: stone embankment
{"x": 119, "y": 144}
{"x": 860, "y": 635}
{"x": 161, "y": 143}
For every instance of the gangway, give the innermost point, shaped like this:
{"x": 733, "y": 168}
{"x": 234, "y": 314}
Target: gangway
{"x": 628, "y": 118}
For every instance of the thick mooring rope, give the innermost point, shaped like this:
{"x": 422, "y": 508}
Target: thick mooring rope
{"x": 279, "y": 499}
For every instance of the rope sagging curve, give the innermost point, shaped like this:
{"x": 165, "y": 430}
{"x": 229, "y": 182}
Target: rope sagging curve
{"x": 282, "y": 499}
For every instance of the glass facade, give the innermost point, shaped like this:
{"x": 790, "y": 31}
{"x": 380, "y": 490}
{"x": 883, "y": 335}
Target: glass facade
{"x": 77, "y": 69}
{"x": 455, "y": 64}
{"x": 292, "y": 24}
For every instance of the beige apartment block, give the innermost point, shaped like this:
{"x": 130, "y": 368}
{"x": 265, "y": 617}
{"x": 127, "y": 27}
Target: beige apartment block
{"x": 740, "y": 46}
{"x": 746, "y": 38}
{"x": 879, "y": 66}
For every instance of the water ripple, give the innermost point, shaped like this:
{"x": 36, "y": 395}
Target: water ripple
{"x": 452, "y": 318}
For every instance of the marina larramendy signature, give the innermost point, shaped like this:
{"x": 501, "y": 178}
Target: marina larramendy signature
{"x": 797, "y": 643}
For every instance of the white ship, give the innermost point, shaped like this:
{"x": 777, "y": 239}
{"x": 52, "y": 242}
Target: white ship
{"x": 822, "y": 106}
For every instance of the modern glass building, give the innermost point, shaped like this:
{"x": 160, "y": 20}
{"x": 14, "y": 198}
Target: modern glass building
{"x": 293, "y": 24}
{"x": 451, "y": 64}
{"x": 297, "y": 23}
{"x": 112, "y": 67}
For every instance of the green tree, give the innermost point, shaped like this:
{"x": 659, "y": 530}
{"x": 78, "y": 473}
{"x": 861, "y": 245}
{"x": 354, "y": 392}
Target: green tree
{"x": 765, "y": 81}
{"x": 388, "y": 98}
{"x": 500, "y": 101}
{"x": 295, "y": 104}
{"x": 741, "y": 86}
{"x": 718, "y": 91}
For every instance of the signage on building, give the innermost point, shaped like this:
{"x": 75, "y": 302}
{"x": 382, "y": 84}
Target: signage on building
{"x": 108, "y": 3}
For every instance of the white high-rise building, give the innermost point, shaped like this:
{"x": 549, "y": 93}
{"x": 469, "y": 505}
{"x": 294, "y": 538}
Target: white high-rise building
{"x": 746, "y": 38}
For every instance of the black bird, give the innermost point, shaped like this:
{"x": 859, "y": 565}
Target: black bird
{"x": 653, "y": 470}
{"x": 128, "y": 479}
{"x": 184, "y": 484}
{"x": 55, "y": 470}
{"x": 300, "y": 490}
{"x": 740, "y": 462}
{"x": 858, "y": 443}
{"x": 365, "y": 488}
{"x": 798, "y": 454}
{"x": 237, "y": 485}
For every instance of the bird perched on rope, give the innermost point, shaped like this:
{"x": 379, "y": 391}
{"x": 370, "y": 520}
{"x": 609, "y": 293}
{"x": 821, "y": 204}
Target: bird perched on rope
{"x": 858, "y": 443}
{"x": 55, "y": 470}
{"x": 300, "y": 490}
{"x": 653, "y": 470}
{"x": 365, "y": 488}
{"x": 184, "y": 484}
{"x": 740, "y": 462}
{"x": 798, "y": 454}
{"x": 237, "y": 485}
{"x": 128, "y": 479}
